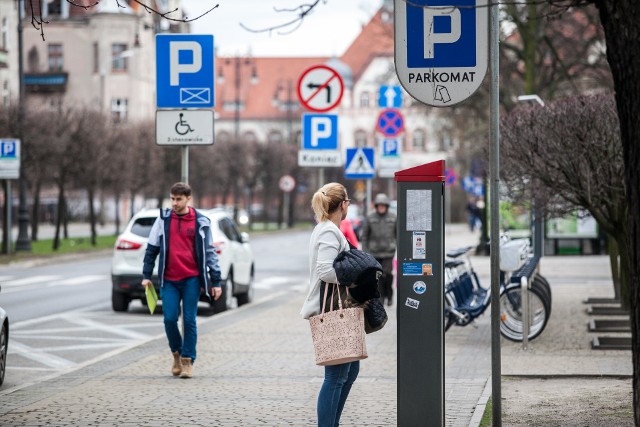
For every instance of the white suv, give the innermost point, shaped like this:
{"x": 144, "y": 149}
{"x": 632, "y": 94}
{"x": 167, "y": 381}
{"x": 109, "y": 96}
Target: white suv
{"x": 232, "y": 247}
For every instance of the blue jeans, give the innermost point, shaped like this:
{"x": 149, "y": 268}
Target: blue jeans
{"x": 338, "y": 380}
{"x": 187, "y": 291}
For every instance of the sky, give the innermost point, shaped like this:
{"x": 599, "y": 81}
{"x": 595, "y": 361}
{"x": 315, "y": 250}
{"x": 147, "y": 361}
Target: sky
{"x": 327, "y": 31}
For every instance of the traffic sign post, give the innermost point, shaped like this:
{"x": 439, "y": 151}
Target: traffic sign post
{"x": 184, "y": 127}
{"x": 390, "y": 150}
{"x": 441, "y": 48}
{"x": 184, "y": 71}
{"x": 360, "y": 163}
{"x": 390, "y": 122}
{"x": 390, "y": 97}
{"x": 320, "y": 88}
{"x": 9, "y": 158}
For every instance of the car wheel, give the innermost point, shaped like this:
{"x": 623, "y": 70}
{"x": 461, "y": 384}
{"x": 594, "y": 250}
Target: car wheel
{"x": 4, "y": 343}
{"x": 247, "y": 297}
{"x": 119, "y": 301}
{"x": 226, "y": 298}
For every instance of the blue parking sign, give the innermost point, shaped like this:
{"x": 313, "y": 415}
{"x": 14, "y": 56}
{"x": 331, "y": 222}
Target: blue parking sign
{"x": 184, "y": 71}
{"x": 452, "y": 39}
{"x": 319, "y": 131}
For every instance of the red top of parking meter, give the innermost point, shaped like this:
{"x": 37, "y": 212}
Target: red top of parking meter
{"x": 429, "y": 172}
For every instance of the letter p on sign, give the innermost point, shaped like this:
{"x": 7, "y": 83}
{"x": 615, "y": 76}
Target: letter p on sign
{"x": 320, "y": 129}
{"x": 176, "y": 67}
{"x": 431, "y": 37}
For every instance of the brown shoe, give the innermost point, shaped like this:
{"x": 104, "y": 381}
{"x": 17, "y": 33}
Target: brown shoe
{"x": 176, "y": 369}
{"x": 187, "y": 368}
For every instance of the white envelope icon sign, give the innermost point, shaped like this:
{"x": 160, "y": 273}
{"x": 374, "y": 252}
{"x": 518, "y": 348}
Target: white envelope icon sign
{"x": 195, "y": 95}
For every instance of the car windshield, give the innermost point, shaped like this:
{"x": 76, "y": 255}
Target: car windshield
{"x": 142, "y": 226}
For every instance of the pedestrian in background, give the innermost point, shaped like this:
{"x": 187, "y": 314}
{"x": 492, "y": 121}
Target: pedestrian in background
{"x": 329, "y": 204}
{"x": 378, "y": 237}
{"x": 188, "y": 262}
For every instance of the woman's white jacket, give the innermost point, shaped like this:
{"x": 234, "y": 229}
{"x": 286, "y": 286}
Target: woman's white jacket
{"x": 327, "y": 241}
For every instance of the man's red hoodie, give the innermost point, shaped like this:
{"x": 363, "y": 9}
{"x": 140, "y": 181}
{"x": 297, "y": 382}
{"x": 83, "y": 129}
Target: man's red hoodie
{"x": 181, "y": 259}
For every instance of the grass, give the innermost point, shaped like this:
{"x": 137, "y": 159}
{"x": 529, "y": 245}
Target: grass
{"x": 487, "y": 417}
{"x": 44, "y": 248}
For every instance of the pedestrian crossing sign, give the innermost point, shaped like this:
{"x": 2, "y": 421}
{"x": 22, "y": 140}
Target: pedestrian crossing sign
{"x": 360, "y": 163}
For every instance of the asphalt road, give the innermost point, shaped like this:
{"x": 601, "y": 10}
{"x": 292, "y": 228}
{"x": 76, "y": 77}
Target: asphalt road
{"x": 61, "y": 313}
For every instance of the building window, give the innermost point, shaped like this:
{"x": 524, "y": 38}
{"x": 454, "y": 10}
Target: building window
{"x": 249, "y": 137}
{"x": 364, "y": 100}
{"x": 119, "y": 62}
{"x": 5, "y": 33}
{"x": 56, "y": 59}
{"x": 33, "y": 60}
{"x": 418, "y": 140}
{"x": 119, "y": 109}
{"x": 360, "y": 138}
{"x": 54, "y": 7}
{"x": 96, "y": 58}
{"x": 274, "y": 137}
{"x": 223, "y": 137}
{"x": 5, "y": 93}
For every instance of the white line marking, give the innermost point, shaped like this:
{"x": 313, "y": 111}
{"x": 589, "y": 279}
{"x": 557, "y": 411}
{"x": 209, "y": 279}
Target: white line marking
{"x": 39, "y": 356}
{"x": 29, "y": 280}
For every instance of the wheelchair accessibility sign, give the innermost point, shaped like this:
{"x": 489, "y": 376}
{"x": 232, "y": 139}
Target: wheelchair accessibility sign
{"x": 441, "y": 48}
{"x": 184, "y": 71}
{"x": 184, "y": 127}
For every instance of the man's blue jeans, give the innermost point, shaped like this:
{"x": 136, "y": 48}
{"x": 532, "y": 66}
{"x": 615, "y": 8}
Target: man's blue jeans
{"x": 187, "y": 291}
{"x": 338, "y": 380}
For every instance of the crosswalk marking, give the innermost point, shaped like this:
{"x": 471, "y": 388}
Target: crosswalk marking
{"x": 12, "y": 284}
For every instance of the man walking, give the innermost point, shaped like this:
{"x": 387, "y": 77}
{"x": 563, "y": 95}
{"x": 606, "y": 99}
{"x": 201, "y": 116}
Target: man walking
{"x": 378, "y": 237}
{"x": 188, "y": 262}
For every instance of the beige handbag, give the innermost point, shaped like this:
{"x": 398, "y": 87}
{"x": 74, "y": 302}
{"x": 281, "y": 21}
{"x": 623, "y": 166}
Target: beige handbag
{"x": 338, "y": 335}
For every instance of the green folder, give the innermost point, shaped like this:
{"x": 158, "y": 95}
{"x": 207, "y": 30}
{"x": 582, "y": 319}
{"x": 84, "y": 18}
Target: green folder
{"x": 152, "y": 297}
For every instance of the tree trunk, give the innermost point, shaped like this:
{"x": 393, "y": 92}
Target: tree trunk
{"x": 35, "y": 212}
{"x": 92, "y": 217}
{"x": 620, "y": 21}
{"x": 614, "y": 262}
{"x": 60, "y": 214}
{"x": 65, "y": 217}
{"x": 117, "y": 213}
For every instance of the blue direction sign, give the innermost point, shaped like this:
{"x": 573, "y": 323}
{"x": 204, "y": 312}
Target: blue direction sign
{"x": 441, "y": 49}
{"x": 390, "y": 97}
{"x": 360, "y": 163}
{"x": 319, "y": 132}
{"x": 184, "y": 71}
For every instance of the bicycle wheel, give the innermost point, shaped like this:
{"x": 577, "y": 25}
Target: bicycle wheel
{"x": 543, "y": 286}
{"x": 511, "y": 313}
{"x": 447, "y": 315}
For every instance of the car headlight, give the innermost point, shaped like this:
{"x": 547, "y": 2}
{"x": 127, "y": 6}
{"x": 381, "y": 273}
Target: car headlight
{"x": 243, "y": 219}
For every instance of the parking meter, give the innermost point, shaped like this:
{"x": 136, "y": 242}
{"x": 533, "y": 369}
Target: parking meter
{"x": 420, "y": 291}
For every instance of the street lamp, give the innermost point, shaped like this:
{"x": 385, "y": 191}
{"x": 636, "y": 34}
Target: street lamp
{"x": 23, "y": 242}
{"x": 286, "y": 103}
{"x": 238, "y": 64}
{"x": 536, "y": 213}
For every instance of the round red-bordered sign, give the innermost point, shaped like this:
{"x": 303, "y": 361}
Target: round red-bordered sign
{"x": 320, "y": 88}
{"x": 390, "y": 122}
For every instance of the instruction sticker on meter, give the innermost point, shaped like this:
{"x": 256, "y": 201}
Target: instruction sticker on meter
{"x": 419, "y": 245}
{"x": 417, "y": 269}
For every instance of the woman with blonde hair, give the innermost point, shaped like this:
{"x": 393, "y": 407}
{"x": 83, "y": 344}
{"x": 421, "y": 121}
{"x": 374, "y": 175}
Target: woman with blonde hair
{"x": 329, "y": 205}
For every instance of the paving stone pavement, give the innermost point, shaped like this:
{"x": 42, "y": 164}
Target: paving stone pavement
{"x": 255, "y": 367}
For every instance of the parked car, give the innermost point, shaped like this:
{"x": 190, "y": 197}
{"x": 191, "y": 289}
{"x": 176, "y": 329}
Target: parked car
{"x": 232, "y": 247}
{"x": 4, "y": 343}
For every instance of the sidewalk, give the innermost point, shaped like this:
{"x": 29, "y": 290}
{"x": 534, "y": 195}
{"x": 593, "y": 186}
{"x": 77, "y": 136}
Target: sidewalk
{"x": 255, "y": 367}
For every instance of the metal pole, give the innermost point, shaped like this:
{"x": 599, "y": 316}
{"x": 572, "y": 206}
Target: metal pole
{"x": 494, "y": 170}
{"x": 367, "y": 204}
{"x": 524, "y": 302}
{"x": 185, "y": 164}
{"x": 23, "y": 243}
{"x": 8, "y": 239}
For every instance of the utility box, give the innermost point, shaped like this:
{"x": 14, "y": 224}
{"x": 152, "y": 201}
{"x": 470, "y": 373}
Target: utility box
{"x": 420, "y": 280}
